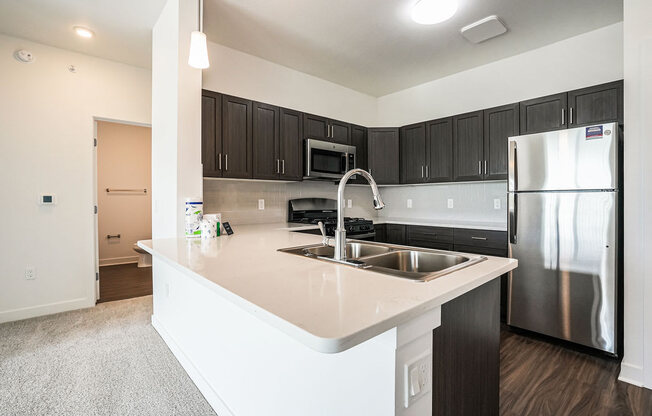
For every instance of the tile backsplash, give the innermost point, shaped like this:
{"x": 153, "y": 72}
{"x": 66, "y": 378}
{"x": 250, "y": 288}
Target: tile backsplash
{"x": 237, "y": 200}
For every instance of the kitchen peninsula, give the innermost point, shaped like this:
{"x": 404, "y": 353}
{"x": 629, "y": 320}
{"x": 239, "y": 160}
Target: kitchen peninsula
{"x": 264, "y": 332}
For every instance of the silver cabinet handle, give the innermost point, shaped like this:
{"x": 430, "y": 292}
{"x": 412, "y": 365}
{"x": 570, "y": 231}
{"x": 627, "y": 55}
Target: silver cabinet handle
{"x": 570, "y": 116}
{"x": 283, "y": 166}
{"x": 427, "y": 171}
{"x": 226, "y": 162}
{"x": 485, "y": 167}
{"x": 370, "y": 171}
{"x": 422, "y": 171}
{"x": 219, "y": 161}
{"x": 478, "y": 238}
{"x": 479, "y": 167}
{"x": 563, "y": 116}
{"x": 278, "y": 169}
{"x": 329, "y": 131}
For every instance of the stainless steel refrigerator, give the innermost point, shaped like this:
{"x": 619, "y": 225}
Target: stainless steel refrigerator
{"x": 563, "y": 219}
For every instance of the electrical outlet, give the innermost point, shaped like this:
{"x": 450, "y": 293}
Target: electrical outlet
{"x": 261, "y": 204}
{"x": 497, "y": 203}
{"x": 409, "y": 203}
{"x": 30, "y": 273}
{"x": 417, "y": 378}
{"x": 350, "y": 203}
{"x": 450, "y": 203}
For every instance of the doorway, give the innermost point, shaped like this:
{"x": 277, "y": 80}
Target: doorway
{"x": 124, "y": 213}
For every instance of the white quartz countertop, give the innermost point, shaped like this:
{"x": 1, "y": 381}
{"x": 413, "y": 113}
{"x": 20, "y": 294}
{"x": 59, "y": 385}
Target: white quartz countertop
{"x": 477, "y": 225}
{"x": 326, "y": 306}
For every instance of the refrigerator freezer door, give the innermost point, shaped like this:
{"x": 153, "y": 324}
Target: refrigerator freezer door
{"x": 565, "y": 283}
{"x": 580, "y": 158}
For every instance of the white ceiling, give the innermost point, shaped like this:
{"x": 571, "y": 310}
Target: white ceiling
{"x": 123, "y": 28}
{"x": 368, "y": 45}
{"x": 373, "y": 46}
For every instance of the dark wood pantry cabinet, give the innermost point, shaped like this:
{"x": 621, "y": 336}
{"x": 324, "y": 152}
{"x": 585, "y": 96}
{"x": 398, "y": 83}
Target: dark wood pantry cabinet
{"x": 468, "y": 156}
{"x": 237, "y": 135}
{"x": 383, "y": 151}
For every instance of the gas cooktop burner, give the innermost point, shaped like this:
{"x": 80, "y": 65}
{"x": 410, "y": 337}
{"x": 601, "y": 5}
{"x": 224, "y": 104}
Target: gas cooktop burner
{"x": 314, "y": 210}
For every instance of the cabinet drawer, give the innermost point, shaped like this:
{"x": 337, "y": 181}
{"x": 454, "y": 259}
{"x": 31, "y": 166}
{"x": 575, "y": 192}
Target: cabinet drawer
{"x": 432, "y": 234}
{"x": 487, "y": 251}
{"x": 480, "y": 238}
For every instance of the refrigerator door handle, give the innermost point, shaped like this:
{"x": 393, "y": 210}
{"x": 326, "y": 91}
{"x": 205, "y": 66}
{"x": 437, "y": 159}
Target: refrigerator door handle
{"x": 513, "y": 216}
{"x": 512, "y": 166}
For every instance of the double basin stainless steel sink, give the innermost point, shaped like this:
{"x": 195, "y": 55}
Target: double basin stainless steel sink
{"x": 401, "y": 261}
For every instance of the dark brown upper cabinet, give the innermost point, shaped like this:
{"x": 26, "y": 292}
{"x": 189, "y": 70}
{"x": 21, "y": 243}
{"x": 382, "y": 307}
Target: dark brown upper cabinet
{"x": 322, "y": 128}
{"x": 359, "y": 140}
{"x": 468, "y": 154}
{"x": 439, "y": 150}
{"x": 237, "y": 135}
{"x": 413, "y": 153}
{"x": 598, "y": 104}
{"x": 290, "y": 145}
{"x": 499, "y": 124}
{"x": 383, "y": 150}
{"x": 544, "y": 114}
{"x": 211, "y": 133}
{"x": 266, "y": 132}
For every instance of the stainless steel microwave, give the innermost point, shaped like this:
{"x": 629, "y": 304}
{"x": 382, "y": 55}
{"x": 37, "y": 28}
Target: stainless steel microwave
{"x": 327, "y": 160}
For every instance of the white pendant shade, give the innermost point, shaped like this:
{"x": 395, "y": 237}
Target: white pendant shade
{"x": 198, "y": 57}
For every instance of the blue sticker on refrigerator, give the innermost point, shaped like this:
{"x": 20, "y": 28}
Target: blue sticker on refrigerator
{"x": 594, "y": 132}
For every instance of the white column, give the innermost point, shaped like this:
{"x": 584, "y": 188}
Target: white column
{"x": 176, "y": 118}
{"x": 637, "y": 363}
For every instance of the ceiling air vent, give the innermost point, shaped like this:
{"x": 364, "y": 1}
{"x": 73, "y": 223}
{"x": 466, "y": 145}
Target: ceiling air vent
{"x": 483, "y": 29}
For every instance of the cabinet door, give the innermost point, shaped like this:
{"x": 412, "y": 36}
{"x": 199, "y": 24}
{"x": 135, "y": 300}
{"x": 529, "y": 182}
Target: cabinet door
{"x": 383, "y": 148}
{"x": 291, "y": 145}
{"x": 499, "y": 124}
{"x": 439, "y": 150}
{"x": 266, "y": 159}
{"x": 599, "y": 104}
{"x": 467, "y": 146}
{"x": 359, "y": 140}
{"x": 544, "y": 114}
{"x": 381, "y": 233}
{"x": 315, "y": 127}
{"x": 340, "y": 132}
{"x": 413, "y": 153}
{"x": 237, "y": 137}
{"x": 211, "y": 133}
{"x": 395, "y": 233}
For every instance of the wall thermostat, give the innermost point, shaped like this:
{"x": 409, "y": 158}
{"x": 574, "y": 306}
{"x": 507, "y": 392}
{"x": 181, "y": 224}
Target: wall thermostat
{"x": 47, "y": 199}
{"x": 25, "y": 56}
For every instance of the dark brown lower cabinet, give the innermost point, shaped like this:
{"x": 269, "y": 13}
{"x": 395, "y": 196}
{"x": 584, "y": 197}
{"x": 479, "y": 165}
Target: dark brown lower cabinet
{"x": 395, "y": 234}
{"x": 466, "y": 354}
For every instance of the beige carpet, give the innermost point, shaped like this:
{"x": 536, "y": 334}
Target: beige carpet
{"x": 106, "y": 360}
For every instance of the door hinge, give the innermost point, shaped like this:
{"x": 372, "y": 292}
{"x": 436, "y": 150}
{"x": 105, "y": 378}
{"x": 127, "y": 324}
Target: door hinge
{"x": 97, "y": 275}
{"x": 95, "y": 209}
{"x": 94, "y": 141}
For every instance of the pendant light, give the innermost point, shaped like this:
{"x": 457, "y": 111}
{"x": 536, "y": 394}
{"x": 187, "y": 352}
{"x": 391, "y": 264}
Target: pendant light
{"x": 198, "y": 57}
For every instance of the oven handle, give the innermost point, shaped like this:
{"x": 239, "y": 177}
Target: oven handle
{"x": 361, "y": 236}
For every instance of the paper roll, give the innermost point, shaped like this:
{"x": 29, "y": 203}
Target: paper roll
{"x": 208, "y": 228}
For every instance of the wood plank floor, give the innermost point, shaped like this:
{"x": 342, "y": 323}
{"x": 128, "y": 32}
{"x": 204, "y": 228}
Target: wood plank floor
{"x": 124, "y": 281}
{"x": 539, "y": 378}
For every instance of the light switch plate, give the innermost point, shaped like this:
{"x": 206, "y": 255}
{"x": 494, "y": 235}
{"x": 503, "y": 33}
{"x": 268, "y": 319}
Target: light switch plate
{"x": 497, "y": 203}
{"x": 409, "y": 203}
{"x": 350, "y": 203}
{"x": 261, "y": 204}
{"x": 450, "y": 203}
{"x": 417, "y": 378}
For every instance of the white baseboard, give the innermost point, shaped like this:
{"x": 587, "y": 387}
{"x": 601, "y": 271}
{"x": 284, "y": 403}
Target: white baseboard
{"x": 193, "y": 372}
{"x": 632, "y": 374}
{"x": 47, "y": 309}
{"x": 118, "y": 260}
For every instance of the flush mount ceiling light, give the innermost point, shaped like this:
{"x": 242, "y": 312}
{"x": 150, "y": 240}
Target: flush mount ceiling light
{"x": 83, "y": 32}
{"x": 429, "y": 12}
{"x": 198, "y": 57}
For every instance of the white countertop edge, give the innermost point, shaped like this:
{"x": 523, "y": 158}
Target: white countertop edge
{"x": 330, "y": 345}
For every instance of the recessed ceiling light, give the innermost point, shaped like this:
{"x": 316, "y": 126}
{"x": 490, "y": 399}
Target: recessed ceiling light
{"x": 429, "y": 12}
{"x": 83, "y": 32}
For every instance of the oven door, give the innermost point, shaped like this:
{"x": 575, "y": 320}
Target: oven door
{"x": 328, "y": 160}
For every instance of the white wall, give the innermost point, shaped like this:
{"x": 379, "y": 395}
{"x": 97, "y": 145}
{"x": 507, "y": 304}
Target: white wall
{"x": 237, "y": 73}
{"x": 588, "y": 59}
{"x": 176, "y": 119}
{"x": 637, "y": 363}
{"x": 46, "y": 146}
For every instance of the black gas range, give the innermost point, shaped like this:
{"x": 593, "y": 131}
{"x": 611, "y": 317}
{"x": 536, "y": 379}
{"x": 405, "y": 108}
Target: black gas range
{"x": 313, "y": 210}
